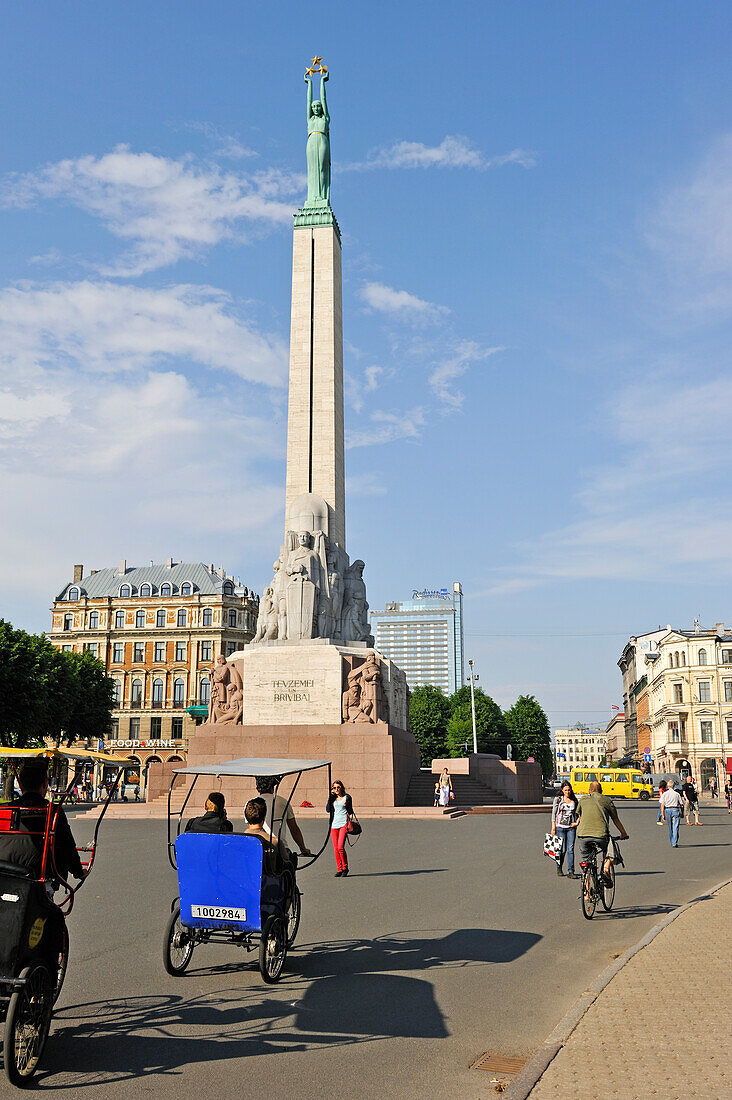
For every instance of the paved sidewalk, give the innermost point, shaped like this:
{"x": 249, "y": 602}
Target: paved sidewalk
{"x": 647, "y": 1037}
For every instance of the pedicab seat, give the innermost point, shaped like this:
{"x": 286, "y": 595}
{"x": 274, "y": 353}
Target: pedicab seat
{"x": 220, "y": 872}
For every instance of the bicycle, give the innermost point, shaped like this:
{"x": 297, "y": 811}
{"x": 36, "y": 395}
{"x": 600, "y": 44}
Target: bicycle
{"x": 596, "y": 885}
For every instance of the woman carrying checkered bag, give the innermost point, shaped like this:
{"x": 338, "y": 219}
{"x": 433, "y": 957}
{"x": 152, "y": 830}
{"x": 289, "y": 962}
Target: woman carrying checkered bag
{"x": 564, "y": 825}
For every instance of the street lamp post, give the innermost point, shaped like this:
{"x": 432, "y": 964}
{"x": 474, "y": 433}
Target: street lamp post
{"x": 472, "y": 678}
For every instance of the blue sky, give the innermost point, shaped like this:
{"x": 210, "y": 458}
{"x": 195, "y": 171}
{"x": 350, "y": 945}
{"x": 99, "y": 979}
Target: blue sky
{"x": 535, "y": 208}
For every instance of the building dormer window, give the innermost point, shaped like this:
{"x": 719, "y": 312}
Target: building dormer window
{"x": 166, "y": 589}
{"x": 74, "y": 594}
{"x": 145, "y": 589}
{"x": 125, "y": 590}
{"x": 93, "y": 620}
{"x": 228, "y": 589}
{"x": 186, "y": 589}
{"x": 702, "y": 656}
{"x": 181, "y": 616}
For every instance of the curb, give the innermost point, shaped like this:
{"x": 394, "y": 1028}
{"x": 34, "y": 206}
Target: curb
{"x": 529, "y": 1076}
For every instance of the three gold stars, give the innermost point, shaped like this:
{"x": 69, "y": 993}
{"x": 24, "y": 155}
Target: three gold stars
{"x": 316, "y": 66}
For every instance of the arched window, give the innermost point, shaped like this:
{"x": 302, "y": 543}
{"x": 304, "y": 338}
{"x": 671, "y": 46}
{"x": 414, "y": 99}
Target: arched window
{"x": 74, "y": 594}
{"x": 179, "y": 692}
{"x": 116, "y": 692}
{"x": 702, "y": 656}
{"x": 181, "y": 616}
{"x": 68, "y": 622}
{"x": 160, "y": 618}
{"x": 228, "y": 589}
{"x": 157, "y": 694}
{"x": 207, "y": 616}
{"x": 165, "y": 589}
{"x": 186, "y": 589}
{"x": 683, "y": 659}
{"x": 125, "y": 590}
{"x": 119, "y": 620}
{"x": 136, "y": 694}
{"x": 139, "y": 619}
{"x": 145, "y": 589}
{"x": 93, "y": 620}
{"x": 670, "y": 660}
{"x": 232, "y": 618}
{"x": 205, "y": 694}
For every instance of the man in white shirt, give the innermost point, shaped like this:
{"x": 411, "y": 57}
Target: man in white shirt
{"x": 266, "y": 785}
{"x": 672, "y": 805}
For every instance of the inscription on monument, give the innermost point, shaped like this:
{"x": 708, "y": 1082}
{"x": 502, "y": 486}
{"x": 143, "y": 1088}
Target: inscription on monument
{"x": 292, "y": 691}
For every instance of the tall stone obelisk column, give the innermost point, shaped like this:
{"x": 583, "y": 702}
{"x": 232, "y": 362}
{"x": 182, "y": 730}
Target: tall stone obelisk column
{"x": 310, "y": 684}
{"x": 315, "y": 448}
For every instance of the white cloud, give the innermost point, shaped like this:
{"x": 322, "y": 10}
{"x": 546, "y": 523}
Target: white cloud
{"x": 662, "y": 509}
{"x": 105, "y": 327}
{"x": 692, "y": 230}
{"x": 455, "y": 366}
{"x": 372, "y": 376}
{"x": 387, "y": 427}
{"x": 225, "y": 145}
{"x": 167, "y": 208}
{"x": 400, "y": 303}
{"x": 453, "y": 151}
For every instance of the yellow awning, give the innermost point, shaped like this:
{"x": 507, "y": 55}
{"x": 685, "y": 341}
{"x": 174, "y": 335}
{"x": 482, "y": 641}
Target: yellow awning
{"x": 60, "y": 754}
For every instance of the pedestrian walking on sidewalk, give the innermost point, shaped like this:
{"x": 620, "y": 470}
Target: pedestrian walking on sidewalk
{"x": 564, "y": 825}
{"x": 728, "y": 793}
{"x": 671, "y": 806}
{"x": 445, "y": 787}
{"x": 661, "y": 791}
{"x": 340, "y": 808}
{"x": 713, "y": 788}
{"x": 691, "y": 801}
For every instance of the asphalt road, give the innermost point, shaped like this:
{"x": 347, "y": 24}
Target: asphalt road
{"x": 448, "y": 939}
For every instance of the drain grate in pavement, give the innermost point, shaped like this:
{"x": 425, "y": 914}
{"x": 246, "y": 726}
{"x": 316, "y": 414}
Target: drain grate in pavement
{"x": 499, "y": 1063}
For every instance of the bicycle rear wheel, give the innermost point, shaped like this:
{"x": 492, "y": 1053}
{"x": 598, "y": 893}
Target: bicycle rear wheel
{"x": 608, "y": 892}
{"x": 589, "y": 895}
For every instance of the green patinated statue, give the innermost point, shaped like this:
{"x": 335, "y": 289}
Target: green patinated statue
{"x": 318, "y": 147}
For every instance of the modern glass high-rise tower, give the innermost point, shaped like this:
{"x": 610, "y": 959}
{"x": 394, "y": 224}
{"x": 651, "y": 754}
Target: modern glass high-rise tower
{"x": 424, "y": 636}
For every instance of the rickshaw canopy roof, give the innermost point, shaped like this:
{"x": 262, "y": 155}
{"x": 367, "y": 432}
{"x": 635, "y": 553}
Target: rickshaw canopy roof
{"x": 255, "y": 767}
{"x": 60, "y": 754}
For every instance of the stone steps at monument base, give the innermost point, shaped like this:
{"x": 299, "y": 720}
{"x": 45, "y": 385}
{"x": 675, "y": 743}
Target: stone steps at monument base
{"x": 468, "y": 792}
{"x": 157, "y": 810}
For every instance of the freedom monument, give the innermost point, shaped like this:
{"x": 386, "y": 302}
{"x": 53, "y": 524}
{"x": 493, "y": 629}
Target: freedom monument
{"x": 311, "y": 684}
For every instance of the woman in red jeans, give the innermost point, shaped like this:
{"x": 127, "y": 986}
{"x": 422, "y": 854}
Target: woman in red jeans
{"x": 340, "y": 808}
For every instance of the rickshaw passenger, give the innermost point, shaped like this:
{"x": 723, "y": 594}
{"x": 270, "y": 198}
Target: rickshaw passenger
{"x": 33, "y": 780}
{"x": 214, "y": 820}
{"x": 255, "y": 812}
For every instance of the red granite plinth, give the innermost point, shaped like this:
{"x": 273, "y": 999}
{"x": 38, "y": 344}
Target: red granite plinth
{"x": 375, "y": 761}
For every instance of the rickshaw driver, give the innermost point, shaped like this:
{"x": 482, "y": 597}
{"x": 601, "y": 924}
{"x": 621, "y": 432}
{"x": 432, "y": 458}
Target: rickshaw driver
{"x": 281, "y": 810}
{"x": 33, "y": 779}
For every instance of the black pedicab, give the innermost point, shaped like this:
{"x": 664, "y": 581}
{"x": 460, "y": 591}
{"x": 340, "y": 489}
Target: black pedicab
{"x": 34, "y": 940}
{"x": 234, "y": 887}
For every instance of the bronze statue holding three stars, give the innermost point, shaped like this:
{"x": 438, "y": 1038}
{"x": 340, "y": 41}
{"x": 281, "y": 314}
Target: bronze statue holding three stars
{"x": 318, "y": 147}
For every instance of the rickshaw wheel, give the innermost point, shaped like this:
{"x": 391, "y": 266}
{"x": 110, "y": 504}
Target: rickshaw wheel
{"x": 293, "y": 916}
{"x": 63, "y": 964}
{"x": 272, "y": 949}
{"x": 27, "y": 1024}
{"x": 177, "y": 945}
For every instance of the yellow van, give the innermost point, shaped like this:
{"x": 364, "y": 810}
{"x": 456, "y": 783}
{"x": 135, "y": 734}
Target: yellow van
{"x": 616, "y": 782}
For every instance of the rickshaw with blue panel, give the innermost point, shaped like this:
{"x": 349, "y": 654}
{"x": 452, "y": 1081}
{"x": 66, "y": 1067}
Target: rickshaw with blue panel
{"x": 34, "y": 940}
{"x": 234, "y": 887}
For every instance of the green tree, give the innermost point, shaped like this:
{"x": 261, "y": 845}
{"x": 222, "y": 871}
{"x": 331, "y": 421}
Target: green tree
{"x": 490, "y": 725}
{"x": 529, "y": 732}
{"x": 429, "y": 711}
{"x": 46, "y": 694}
